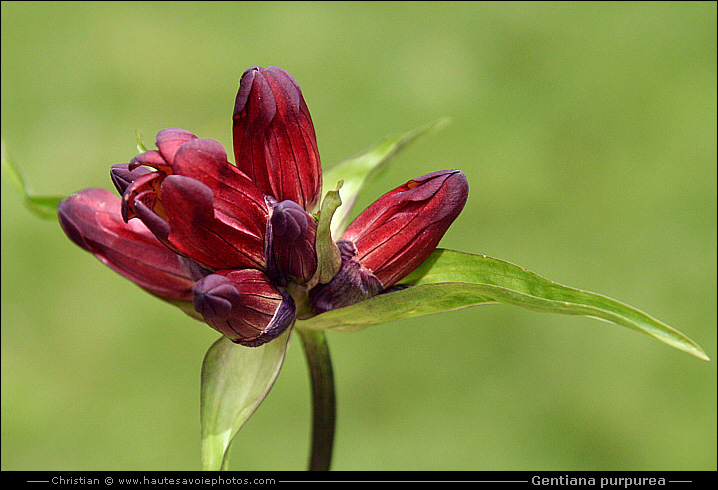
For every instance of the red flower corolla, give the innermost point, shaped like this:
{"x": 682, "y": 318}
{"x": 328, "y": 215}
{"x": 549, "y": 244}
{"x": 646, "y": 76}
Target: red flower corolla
{"x": 274, "y": 140}
{"x": 392, "y": 237}
{"x": 226, "y": 242}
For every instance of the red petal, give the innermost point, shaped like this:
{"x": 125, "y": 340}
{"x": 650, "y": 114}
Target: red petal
{"x": 152, "y": 158}
{"x": 236, "y": 198}
{"x": 148, "y": 182}
{"x": 122, "y": 176}
{"x": 169, "y": 140}
{"x": 91, "y": 218}
{"x": 195, "y": 230}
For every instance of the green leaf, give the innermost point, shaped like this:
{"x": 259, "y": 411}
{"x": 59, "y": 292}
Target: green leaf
{"x": 43, "y": 206}
{"x": 450, "y": 280}
{"x": 141, "y": 148}
{"x": 235, "y": 380}
{"x": 358, "y": 170}
{"x": 395, "y": 305}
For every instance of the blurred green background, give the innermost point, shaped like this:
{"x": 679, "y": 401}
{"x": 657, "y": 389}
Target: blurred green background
{"x": 588, "y": 135}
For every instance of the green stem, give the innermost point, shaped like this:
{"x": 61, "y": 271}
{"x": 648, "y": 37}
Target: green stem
{"x": 323, "y": 398}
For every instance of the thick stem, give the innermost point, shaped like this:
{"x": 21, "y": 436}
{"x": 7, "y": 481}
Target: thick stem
{"x": 323, "y": 398}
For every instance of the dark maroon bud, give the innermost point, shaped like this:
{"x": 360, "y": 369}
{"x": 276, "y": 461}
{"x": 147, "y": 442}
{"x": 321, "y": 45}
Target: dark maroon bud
{"x": 293, "y": 241}
{"x": 244, "y": 306}
{"x": 274, "y": 139}
{"x": 122, "y": 177}
{"x": 353, "y": 283}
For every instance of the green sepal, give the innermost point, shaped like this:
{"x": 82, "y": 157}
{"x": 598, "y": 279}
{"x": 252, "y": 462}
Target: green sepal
{"x": 328, "y": 257}
{"x": 141, "y": 148}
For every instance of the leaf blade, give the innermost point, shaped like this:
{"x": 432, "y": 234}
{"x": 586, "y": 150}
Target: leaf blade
{"x": 43, "y": 206}
{"x": 502, "y": 276}
{"x": 416, "y": 301}
{"x": 235, "y": 380}
{"x": 453, "y": 280}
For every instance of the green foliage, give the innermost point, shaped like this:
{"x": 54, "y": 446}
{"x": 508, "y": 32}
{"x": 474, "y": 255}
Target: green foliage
{"x": 450, "y": 280}
{"x": 42, "y": 206}
{"x": 235, "y": 380}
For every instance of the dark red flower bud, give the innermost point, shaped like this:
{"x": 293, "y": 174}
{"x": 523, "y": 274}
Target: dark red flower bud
{"x": 293, "y": 241}
{"x": 91, "y": 218}
{"x": 244, "y": 306}
{"x": 274, "y": 139}
{"x": 402, "y": 228}
{"x": 353, "y": 283}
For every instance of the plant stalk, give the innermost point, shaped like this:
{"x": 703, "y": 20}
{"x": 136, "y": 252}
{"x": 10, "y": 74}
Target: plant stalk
{"x": 316, "y": 350}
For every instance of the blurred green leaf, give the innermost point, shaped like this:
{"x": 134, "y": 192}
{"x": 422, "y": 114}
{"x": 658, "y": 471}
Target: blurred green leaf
{"x": 358, "y": 170}
{"x": 42, "y": 206}
{"x": 450, "y": 280}
{"x": 235, "y": 380}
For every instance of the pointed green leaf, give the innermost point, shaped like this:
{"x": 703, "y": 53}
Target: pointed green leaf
{"x": 235, "y": 380}
{"x": 43, "y": 206}
{"x": 141, "y": 148}
{"x": 450, "y": 280}
{"x": 366, "y": 165}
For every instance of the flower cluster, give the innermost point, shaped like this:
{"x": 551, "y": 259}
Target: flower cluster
{"x": 236, "y": 244}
